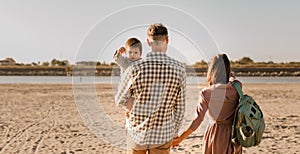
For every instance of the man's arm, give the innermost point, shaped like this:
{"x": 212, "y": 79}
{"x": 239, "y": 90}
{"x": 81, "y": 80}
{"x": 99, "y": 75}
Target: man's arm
{"x": 123, "y": 92}
{"x": 179, "y": 107}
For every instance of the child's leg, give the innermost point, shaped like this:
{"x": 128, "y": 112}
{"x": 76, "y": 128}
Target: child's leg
{"x": 129, "y": 106}
{"x": 130, "y": 103}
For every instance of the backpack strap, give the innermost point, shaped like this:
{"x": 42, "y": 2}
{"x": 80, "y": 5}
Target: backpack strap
{"x": 238, "y": 89}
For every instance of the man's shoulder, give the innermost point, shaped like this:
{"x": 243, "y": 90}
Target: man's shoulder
{"x": 177, "y": 63}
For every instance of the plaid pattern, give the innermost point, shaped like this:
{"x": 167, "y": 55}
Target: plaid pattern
{"x": 158, "y": 85}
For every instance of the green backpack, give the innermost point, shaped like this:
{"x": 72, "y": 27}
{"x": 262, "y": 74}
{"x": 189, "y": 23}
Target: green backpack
{"x": 248, "y": 125}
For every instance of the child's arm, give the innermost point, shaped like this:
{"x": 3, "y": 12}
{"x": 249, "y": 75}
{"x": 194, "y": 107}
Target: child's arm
{"x": 122, "y": 61}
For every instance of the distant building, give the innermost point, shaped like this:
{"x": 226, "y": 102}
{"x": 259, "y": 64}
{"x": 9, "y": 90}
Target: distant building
{"x": 86, "y": 63}
{"x": 8, "y": 61}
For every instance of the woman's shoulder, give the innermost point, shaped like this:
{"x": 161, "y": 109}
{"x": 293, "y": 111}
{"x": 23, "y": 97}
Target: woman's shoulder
{"x": 206, "y": 91}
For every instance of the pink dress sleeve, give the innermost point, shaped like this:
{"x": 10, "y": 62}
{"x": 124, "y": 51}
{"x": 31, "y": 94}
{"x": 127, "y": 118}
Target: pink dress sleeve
{"x": 200, "y": 111}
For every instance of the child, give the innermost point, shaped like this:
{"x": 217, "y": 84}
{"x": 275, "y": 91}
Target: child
{"x": 133, "y": 51}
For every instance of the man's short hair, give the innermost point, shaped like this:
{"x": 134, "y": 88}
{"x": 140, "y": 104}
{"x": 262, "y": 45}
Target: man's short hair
{"x": 157, "y": 32}
{"x": 134, "y": 43}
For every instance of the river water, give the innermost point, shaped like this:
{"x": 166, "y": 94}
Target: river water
{"x": 115, "y": 79}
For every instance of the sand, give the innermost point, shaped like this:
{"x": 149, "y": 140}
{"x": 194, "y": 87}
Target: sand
{"x": 38, "y": 118}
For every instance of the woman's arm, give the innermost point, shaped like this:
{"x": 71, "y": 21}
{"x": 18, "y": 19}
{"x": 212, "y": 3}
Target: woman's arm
{"x": 200, "y": 112}
{"x": 183, "y": 136}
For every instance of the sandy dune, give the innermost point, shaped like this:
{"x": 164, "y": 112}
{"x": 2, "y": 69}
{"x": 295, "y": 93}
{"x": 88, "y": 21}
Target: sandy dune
{"x": 38, "y": 118}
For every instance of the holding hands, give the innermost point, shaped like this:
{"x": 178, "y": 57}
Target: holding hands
{"x": 176, "y": 141}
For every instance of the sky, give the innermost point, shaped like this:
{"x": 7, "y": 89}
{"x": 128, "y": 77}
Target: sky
{"x": 75, "y": 30}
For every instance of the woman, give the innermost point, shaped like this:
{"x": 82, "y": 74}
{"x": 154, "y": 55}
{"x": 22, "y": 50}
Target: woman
{"x": 220, "y": 99}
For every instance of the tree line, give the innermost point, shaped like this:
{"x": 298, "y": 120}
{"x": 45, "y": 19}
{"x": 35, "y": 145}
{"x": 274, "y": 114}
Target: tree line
{"x": 243, "y": 62}
{"x": 248, "y": 62}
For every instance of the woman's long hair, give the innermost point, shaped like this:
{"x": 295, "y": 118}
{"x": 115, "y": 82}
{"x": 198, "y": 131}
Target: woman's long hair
{"x": 218, "y": 70}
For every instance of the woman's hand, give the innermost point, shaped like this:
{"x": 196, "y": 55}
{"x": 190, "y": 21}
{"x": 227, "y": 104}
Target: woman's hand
{"x": 232, "y": 76}
{"x": 176, "y": 141}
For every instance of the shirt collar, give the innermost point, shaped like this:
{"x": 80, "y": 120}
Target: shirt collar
{"x": 150, "y": 54}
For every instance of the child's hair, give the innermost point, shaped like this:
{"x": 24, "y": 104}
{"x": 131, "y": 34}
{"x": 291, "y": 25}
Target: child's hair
{"x": 157, "y": 32}
{"x": 135, "y": 43}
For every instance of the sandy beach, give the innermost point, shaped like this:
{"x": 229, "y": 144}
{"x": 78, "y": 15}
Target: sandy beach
{"x": 39, "y": 118}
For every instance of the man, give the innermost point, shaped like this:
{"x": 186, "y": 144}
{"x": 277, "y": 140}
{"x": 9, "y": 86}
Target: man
{"x": 158, "y": 85}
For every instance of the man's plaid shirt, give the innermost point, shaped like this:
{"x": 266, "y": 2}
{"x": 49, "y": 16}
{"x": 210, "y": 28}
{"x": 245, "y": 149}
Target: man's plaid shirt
{"x": 158, "y": 85}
